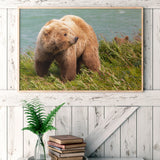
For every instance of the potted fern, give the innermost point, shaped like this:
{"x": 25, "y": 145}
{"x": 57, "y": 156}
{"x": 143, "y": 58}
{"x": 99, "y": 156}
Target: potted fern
{"x": 39, "y": 123}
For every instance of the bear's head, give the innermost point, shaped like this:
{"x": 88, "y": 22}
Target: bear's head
{"x": 121, "y": 40}
{"x": 56, "y": 36}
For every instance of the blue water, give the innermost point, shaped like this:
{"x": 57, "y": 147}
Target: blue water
{"x": 106, "y": 22}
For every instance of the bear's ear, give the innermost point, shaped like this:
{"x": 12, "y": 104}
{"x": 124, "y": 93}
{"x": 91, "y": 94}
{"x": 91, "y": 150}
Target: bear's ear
{"x": 47, "y": 30}
{"x": 126, "y": 38}
{"x": 49, "y": 22}
{"x": 115, "y": 38}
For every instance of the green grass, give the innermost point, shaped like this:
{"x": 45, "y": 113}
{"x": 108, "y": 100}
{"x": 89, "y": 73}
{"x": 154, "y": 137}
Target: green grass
{"x": 120, "y": 70}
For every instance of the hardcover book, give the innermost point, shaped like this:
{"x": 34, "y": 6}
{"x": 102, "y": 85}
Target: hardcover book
{"x": 54, "y": 157}
{"x": 66, "y": 151}
{"x": 67, "y": 146}
{"x": 80, "y": 154}
{"x": 65, "y": 139}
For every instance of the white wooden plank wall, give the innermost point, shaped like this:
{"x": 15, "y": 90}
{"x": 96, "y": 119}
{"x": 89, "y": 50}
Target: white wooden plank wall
{"x": 96, "y": 115}
{"x": 80, "y": 121}
{"x": 138, "y": 136}
{"x": 144, "y": 133}
{"x": 3, "y": 46}
{"x": 15, "y": 114}
{"x": 144, "y": 115}
{"x": 156, "y": 82}
{"x": 15, "y": 135}
{"x": 3, "y": 82}
{"x": 112, "y": 145}
{"x": 128, "y": 137}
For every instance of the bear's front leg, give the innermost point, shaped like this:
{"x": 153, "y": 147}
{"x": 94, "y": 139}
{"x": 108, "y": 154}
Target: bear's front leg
{"x": 42, "y": 67}
{"x": 68, "y": 67}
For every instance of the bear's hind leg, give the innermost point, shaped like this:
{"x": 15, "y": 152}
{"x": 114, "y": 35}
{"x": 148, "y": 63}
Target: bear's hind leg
{"x": 90, "y": 59}
{"x": 79, "y": 63}
{"x": 68, "y": 71}
{"x": 42, "y": 67}
{"x": 68, "y": 67}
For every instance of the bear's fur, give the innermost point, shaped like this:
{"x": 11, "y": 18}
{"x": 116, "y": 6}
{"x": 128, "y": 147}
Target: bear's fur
{"x": 70, "y": 41}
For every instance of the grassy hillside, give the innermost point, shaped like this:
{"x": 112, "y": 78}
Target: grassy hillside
{"x": 120, "y": 70}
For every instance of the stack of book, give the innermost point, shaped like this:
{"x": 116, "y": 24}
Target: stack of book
{"x": 66, "y": 147}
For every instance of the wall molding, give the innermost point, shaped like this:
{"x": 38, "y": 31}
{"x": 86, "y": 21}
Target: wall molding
{"x": 82, "y": 3}
{"x": 146, "y": 98}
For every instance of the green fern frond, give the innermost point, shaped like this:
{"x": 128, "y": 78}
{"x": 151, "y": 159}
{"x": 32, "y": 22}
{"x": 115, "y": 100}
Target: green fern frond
{"x": 32, "y": 129}
{"x": 50, "y": 128}
{"x": 49, "y": 119}
{"x": 34, "y": 113}
{"x": 38, "y": 122}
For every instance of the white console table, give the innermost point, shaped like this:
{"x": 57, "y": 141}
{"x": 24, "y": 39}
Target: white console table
{"x": 115, "y": 159}
{"x": 48, "y": 158}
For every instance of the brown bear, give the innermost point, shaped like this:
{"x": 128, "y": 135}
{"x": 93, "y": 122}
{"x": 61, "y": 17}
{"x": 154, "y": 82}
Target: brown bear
{"x": 121, "y": 40}
{"x": 71, "y": 42}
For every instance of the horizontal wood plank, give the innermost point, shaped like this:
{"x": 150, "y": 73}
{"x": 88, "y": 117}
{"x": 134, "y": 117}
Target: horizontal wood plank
{"x": 106, "y": 128}
{"x": 65, "y": 3}
{"x": 146, "y": 98}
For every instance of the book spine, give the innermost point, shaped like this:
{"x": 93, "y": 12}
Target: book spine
{"x": 72, "y": 141}
{"x": 72, "y": 155}
{"x": 65, "y": 151}
{"x": 54, "y": 149}
{"x": 60, "y": 149}
{"x": 55, "y": 153}
{"x": 56, "y": 145}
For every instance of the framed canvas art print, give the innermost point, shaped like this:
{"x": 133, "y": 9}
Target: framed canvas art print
{"x": 80, "y": 49}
